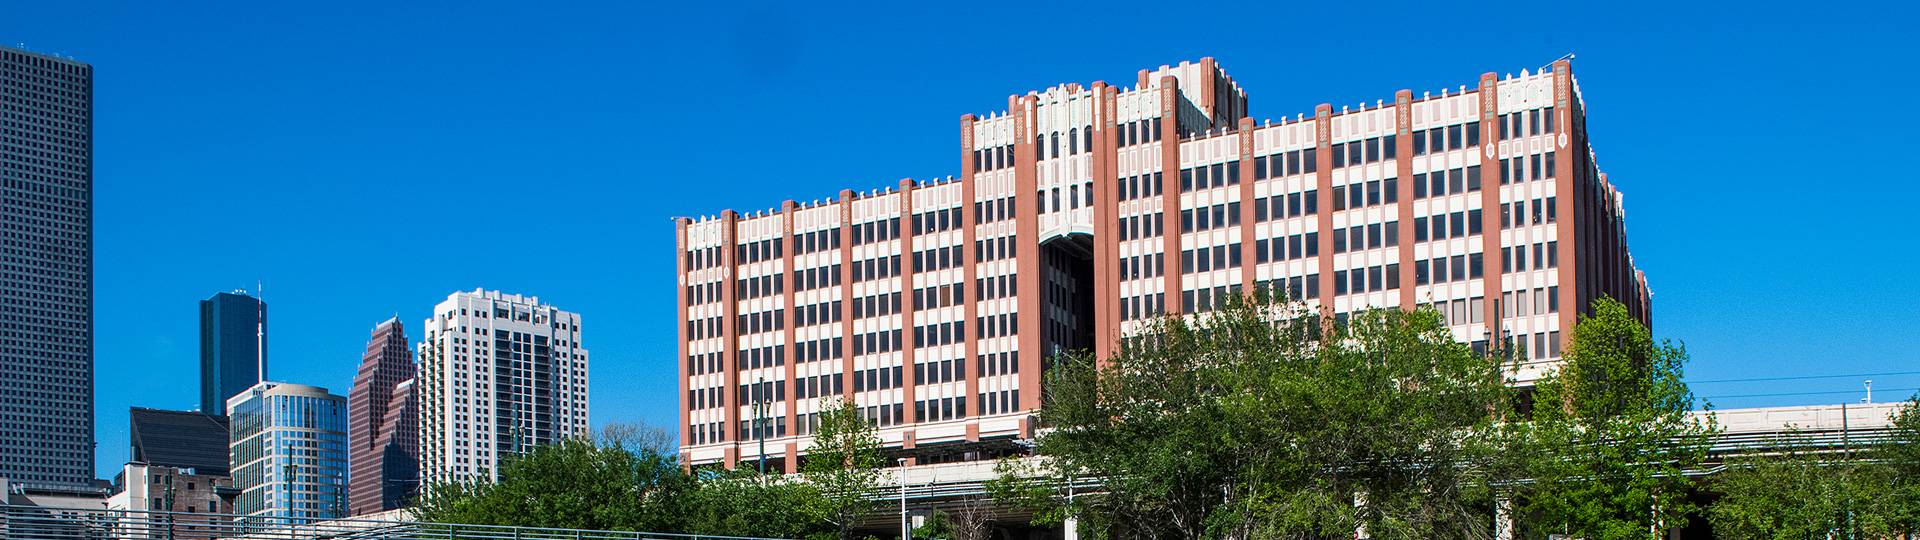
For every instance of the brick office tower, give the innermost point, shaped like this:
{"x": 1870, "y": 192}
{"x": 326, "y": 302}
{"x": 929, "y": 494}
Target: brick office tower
{"x": 382, "y": 425}
{"x": 46, "y": 288}
{"x": 1080, "y": 212}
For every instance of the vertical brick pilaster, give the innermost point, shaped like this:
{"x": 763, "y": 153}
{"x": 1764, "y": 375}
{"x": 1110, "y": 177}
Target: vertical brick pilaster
{"x": 1489, "y": 156}
{"x": 910, "y": 344}
{"x": 1027, "y": 251}
{"x": 680, "y": 292}
{"x": 1249, "y": 264}
{"x": 790, "y": 353}
{"x": 1567, "y": 147}
{"x": 969, "y": 287}
{"x": 1106, "y": 283}
{"x": 729, "y": 327}
{"x": 1170, "y": 200}
{"x": 1323, "y": 182}
{"x": 1403, "y": 169}
{"x": 846, "y": 295}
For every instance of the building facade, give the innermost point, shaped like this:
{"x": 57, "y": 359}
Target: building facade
{"x": 233, "y": 347}
{"x": 1081, "y": 212}
{"x": 188, "y": 440}
{"x": 499, "y": 374}
{"x": 46, "y": 291}
{"x": 289, "y": 451}
{"x": 382, "y": 425}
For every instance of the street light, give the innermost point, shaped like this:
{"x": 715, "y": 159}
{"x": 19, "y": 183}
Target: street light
{"x": 906, "y": 529}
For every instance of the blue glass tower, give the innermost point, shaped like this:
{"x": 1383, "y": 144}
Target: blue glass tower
{"x": 233, "y": 348}
{"x": 289, "y": 451}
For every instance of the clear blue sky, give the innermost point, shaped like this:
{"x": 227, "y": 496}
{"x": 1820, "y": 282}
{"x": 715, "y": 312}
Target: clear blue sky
{"x": 366, "y": 160}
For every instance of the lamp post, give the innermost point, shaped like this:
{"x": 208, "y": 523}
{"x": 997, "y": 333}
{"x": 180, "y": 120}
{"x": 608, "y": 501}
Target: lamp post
{"x": 906, "y": 528}
{"x": 759, "y": 411}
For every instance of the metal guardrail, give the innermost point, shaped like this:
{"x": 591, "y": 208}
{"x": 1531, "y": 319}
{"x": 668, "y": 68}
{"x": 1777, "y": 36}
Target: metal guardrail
{"x": 49, "y": 523}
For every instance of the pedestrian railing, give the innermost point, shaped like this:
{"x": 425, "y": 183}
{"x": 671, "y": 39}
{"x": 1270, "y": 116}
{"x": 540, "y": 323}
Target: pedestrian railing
{"x": 47, "y": 523}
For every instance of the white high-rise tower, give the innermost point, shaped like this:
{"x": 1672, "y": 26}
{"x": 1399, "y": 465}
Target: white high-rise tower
{"x": 499, "y": 374}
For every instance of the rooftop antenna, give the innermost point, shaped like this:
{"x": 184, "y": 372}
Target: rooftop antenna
{"x": 260, "y": 331}
{"x": 1568, "y": 56}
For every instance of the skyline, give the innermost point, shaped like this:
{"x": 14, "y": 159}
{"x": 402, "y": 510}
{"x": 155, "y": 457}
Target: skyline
{"x": 618, "y": 250}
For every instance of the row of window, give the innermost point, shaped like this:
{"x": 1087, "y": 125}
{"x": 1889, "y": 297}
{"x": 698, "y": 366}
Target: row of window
{"x": 1364, "y": 237}
{"x": 1143, "y": 306}
{"x": 1446, "y": 182}
{"x": 1004, "y": 324}
{"x": 935, "y": 410}
{"x": 1445, "y": 269}
{"x": 1141, "y": 186}
{"x": 1000, "y": 363}
{"x": 883, "y": 341}
{"x": 1210, "y": 176}
{"x": 820, "y": 313}
{"x": 760, "y": 392}
{"x": 704, "y": 363}
{"x": 703, "y": 258}
{"x": 1445, "y": 138}
{"x": 1444, "y": 226}
{"x": 993, "y": 249}
{"x": 1218, "y": 216}
{"x": 1366, "y": 280}
{"x": 1002, "y": 286}
{"x": 1205, "y": 300}
{"x": 876, "y": 231}
{"x": 1541, "y": 301}
{"x": 1078, "y": 195}
{"x": 1291, "y": 205}
{"x": 936, "y": 221}
{"x": 1372, "y": 150}
{"x": 817, "y": 350}
{"x": 1295, "y": 288}
{"x": 1287, "y": 248}
{"x": 878, "y": 305}
{"x": 1285, "y": 164}
{"x": 1210, "y": 259}
{"x": 759, "y": 357}
{"x": 946, "y": 333}
{"x": 816, "y": 241}
{"x": 756, "y": 287}
{"x": 937, "y": 296}
{"x": 943, "y": 371}
{"x": 818, "y": 277}
{"x": 703, "y": 293}
{"x": 1076, "y": 141}
{"x": 1143, "y": 226}
{"x": 995, "y": 210}
{"x": 1516, "y": 214}
{"x": 1545, "y": 255}
{"x": 993, "y": 159}
{"x": 1520, "y": 169}
{"x": 1511, "y": 124}
{"x": 831, "y": 384}
{"x": 937, "y": 259}
{"x": 703, "y": 398}
{"x": 1138, "y": 132}
{"x": 1369, "y": 193}
{"x": 1151, "y": 265}
{"x": 764, "y": 250}
{"x": 876, "y": 268}
{"x": 765, "y": 321}
{"x": 885, "y": 378}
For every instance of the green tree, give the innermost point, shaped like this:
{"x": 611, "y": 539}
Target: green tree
{"x": 843, "y": 465}
{"x": 1258, "y": 421}
{"x": 1897, "y": 512}
{"x": 574, "y": 483}
{"x": 1612, "y": 435}
{"x": 742, "y": 502}
{"x": 1793, "y": 493}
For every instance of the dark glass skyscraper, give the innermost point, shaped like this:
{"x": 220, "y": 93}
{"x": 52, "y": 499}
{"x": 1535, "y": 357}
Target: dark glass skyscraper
{"x": 46, "y": 285}
{"x": 233, "y": 348}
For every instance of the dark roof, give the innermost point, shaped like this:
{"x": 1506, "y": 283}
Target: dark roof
{"x": 179, "y": 439}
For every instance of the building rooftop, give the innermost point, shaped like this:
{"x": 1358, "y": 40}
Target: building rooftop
{"x": 184, "y": 439}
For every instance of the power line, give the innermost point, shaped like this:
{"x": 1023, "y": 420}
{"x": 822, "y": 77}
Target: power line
{"x": 1805, "y": 377}
{"x": 1778, "y": 394}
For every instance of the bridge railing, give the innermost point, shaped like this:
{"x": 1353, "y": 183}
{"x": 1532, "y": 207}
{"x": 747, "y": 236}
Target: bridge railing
{"x": 47, "y": 523}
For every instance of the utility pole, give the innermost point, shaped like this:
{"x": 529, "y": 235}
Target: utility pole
{"x": 906, "y": 527}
